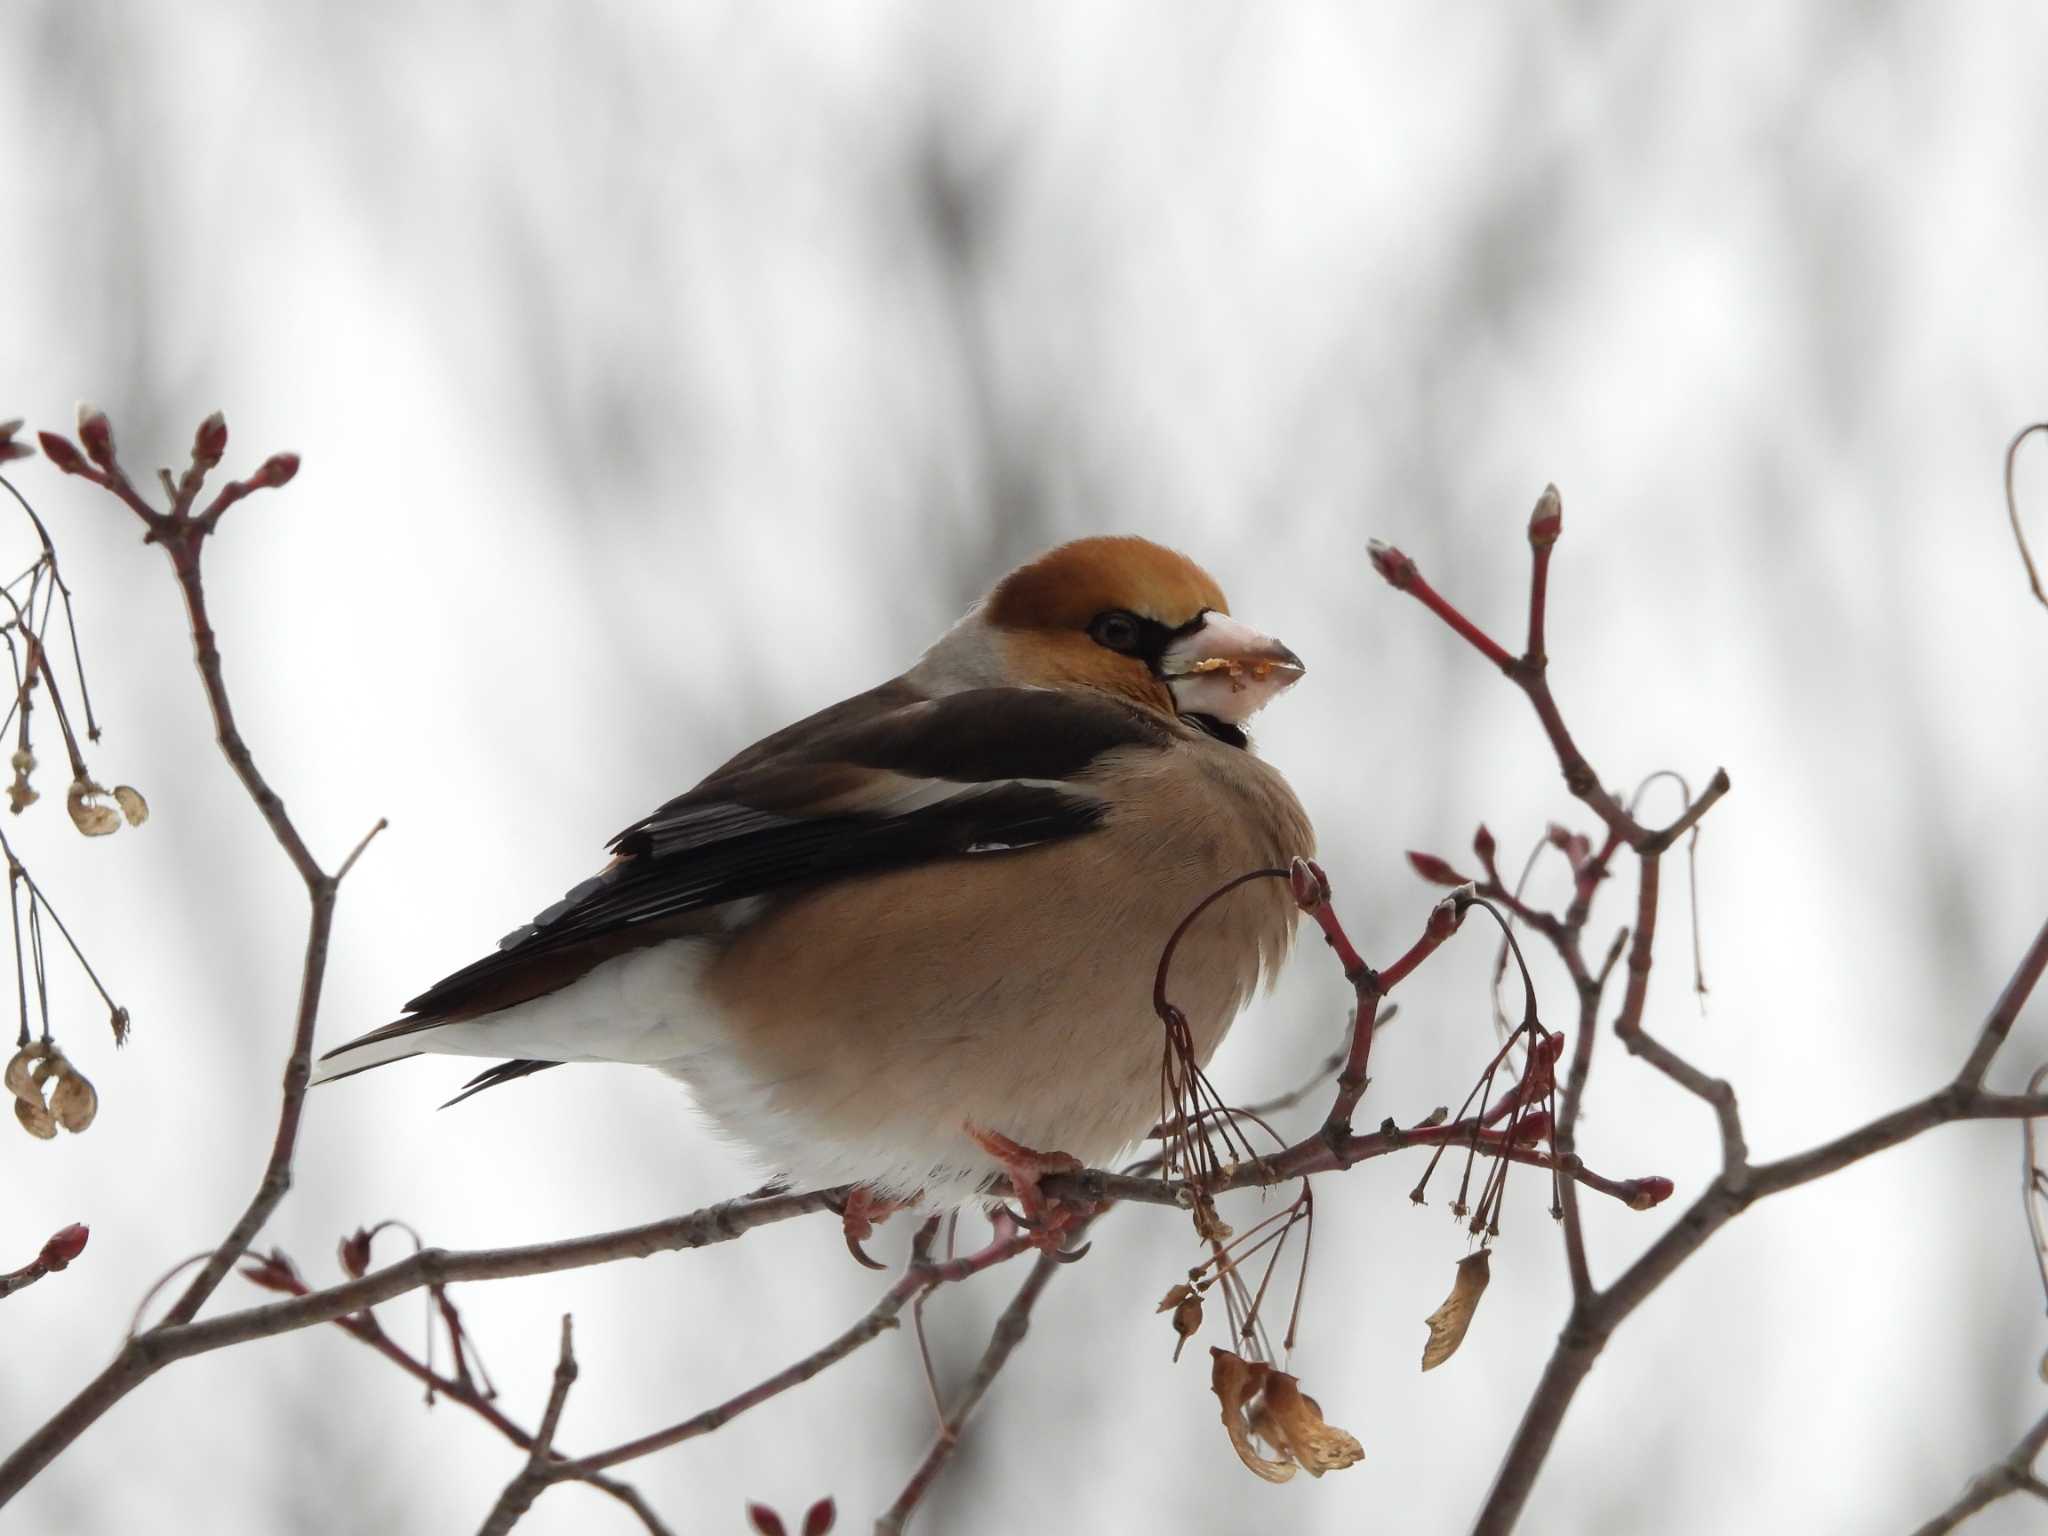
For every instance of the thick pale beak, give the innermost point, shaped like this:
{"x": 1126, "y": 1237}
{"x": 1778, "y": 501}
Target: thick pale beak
{"x": 1227, "y": 670}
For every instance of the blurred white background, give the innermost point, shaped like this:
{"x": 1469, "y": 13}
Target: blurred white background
{"x": 665, "y": 372}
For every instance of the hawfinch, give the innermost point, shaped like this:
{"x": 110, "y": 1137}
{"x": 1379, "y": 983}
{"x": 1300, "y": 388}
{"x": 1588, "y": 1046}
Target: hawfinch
{"x": 906, "y": 940}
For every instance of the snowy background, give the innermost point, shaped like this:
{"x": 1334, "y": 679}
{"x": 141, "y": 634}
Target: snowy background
{"x": 665, "y": 372}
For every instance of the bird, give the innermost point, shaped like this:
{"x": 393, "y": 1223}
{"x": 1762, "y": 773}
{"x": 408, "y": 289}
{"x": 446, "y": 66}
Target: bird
{"x": 908, "y": 943}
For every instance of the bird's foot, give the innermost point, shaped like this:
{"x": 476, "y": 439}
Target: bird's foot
{"x": 862, "y": 1211}
{"x": 1048, "y": 1220}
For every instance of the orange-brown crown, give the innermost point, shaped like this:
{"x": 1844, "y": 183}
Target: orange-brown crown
{"x": 1066, "y": 587}
{"x": 1043, "y": 610}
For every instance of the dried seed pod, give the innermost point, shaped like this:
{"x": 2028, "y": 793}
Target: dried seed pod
{"x": 74, "y": 1101}
{"x": 1260, "y": 1401}
{"x": 1289, "y": 1420}
{"x": 1185, "y": 1302}
{"x": 35, "y": 1119}
{"x": 133, "y": 806}
{"x": 20, "y": 796}
{"x": 90, "y": 812}
{"x": 20, "y": 1076}
{"x": 1447, "y": 1324}
{"x": 1236, "y": 1382}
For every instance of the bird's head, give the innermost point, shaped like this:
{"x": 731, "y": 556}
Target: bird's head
{"x": 1129, "y": 617}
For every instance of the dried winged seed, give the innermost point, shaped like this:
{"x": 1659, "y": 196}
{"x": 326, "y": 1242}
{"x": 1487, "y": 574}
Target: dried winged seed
{"x": 23, "y": 761}
{"x": 133, "y": 806}
{"x": 74, "y": 1101}
{"x": 89, "y": 812}
{"x": 1174, "y": 1298}
{"x": 20, "y": 797}
{"x": 20, "y": 1077}
{"x": 1297, "y": 1420}
{"x": 1236, "y": 1381}
{"x": 35, "y": 1119}
{"x": 1447, "y": 1324}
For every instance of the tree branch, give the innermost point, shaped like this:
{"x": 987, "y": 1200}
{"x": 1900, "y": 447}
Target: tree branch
{"x": 1009, "y": 1332}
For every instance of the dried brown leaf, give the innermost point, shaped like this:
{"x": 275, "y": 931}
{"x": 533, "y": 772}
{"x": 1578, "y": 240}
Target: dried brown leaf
{"x": 1447, "y": 1324}
{"x": 133, "y": 806}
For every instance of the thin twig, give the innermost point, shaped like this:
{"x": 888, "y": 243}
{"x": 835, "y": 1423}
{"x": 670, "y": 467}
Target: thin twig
{"x": 533, "y": 1478}
{"x": 1008, "y": 1333}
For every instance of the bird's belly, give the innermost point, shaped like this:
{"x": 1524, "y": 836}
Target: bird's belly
{"x": 957, "y": 1008}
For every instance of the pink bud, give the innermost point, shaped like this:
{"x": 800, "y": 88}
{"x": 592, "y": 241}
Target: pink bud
{"x": 1547, "y": 521}
{"x": 9, "y": 448}
{"x": 1649, "y": 1192}
{"x": 820, "y": 1517}
{"x": 1482, "y": 844}
{"x": 354, "y": 1253}
{"x": 60, "y": 452}
{"x": 1533, "y": 1126}
{"x": 1435, "y": 870}
{"x": 64, "y": 1246}
{"x": 97, "y": 434}
{"x": 1301, "y": 881}
{"x": 765, "y": 1520}
{"x": 1396, "y": 567}
{"x": 276, "y": 470}
{"x": 210, "y": 441}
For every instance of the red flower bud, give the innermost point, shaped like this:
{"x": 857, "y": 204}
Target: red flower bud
{"x": 765, "y": 1520}
{"x": 354, "y": 1253}
{"x": 97, "y": 434}
{"x": 1547, "y": 521}
{"x": 64, "y": 1246}
{"x": 1482, "y": 844}
{"x": 61, "y": 452}
{"x": 276, "y": 470}
{"x": 9, "y": 448}
{"x": 820, "y": 1517}
{"x": 1435, "y": 870}
{"x": 1310, "y": 887}
{"x": 1396, "y": 567}
{"x": 1649, "y": 1192}
{"x": 210, "y": 441}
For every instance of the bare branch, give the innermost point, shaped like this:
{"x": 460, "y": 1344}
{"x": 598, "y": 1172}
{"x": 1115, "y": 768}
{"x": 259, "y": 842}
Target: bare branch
{"x": 1008, "y": 1334}
{"x": 520, "y": 1493}
{"x": 2014, "y": 1474}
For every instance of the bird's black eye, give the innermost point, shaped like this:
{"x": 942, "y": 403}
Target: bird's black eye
{"x": 1117, "y": 630}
